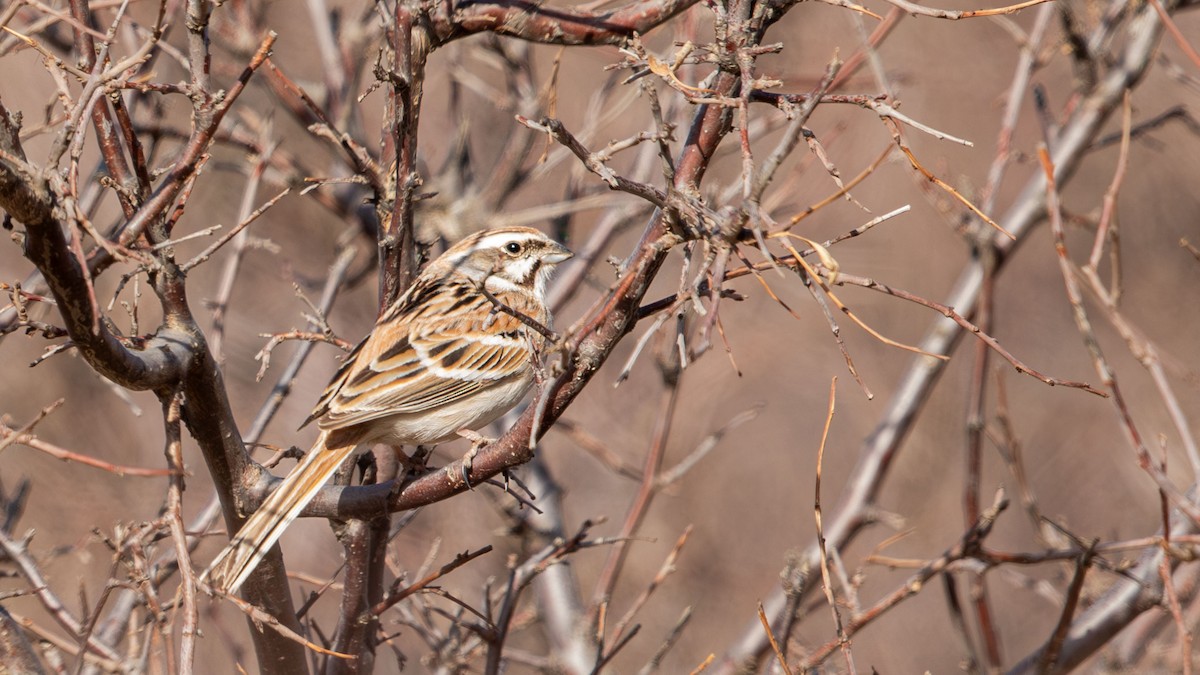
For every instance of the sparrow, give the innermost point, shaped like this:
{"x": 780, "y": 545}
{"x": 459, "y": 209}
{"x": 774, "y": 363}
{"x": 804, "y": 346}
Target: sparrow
{"x": 449, "y": 356}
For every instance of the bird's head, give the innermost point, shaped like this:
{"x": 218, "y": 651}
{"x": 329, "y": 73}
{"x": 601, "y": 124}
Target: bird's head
{"x": 505, "y": 259}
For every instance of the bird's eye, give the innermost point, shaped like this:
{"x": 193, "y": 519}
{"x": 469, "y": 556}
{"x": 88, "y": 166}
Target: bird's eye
{"x": 512, "y": 247}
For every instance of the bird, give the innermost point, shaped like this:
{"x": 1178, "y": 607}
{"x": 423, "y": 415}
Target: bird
{"x": 449, "y": 356}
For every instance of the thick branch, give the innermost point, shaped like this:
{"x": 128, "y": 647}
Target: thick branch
{"x": 30, "y": 199}
{"x": 176, "y": 355}
{"x": 15, "y": 650}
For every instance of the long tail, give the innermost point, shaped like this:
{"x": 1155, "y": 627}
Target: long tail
{"x": 248, "y": 547}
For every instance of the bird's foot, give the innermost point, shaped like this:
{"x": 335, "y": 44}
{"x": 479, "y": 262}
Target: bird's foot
{"x": 477, "y": 441}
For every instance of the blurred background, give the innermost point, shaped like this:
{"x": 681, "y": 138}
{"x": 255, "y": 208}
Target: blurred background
{"x": 750, "y": 500}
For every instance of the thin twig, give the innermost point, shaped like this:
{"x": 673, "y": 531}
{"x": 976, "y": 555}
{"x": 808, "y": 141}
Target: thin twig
{"x": 826, "y": 581}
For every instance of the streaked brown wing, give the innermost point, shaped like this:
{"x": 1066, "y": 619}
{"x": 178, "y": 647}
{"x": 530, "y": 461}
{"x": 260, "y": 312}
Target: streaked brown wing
{"x": 448, "y": 347}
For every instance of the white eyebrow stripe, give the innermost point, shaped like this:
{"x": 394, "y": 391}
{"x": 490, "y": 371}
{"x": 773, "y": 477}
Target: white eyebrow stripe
{"x": 496, "y": 239}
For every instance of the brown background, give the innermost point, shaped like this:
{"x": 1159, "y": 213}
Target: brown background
{"x": 751, "y": 500}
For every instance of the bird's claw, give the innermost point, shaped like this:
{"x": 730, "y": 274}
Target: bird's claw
{"x": 477, "y": 441}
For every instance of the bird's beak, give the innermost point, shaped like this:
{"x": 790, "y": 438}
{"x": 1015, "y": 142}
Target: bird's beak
{"x": 557, "y": 253}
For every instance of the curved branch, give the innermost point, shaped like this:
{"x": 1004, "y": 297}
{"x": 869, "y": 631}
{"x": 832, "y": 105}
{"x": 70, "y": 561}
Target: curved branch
{"x": 29, "y": 198}
{"x": 535, "y": 22}
{"x": 175, "y": 356}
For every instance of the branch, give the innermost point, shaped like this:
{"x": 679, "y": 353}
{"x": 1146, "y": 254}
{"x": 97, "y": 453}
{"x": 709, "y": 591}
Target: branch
{"x": 1100, "y": 622}
{"x": 592, "y": 339}
{"x": 30, "y": 199}
{"x": 16, "y": 653}
{"x": 535, "y": 22}
{"x": 193, "y": 154}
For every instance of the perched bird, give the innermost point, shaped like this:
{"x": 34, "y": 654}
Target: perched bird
{"x": 451, "y": 355}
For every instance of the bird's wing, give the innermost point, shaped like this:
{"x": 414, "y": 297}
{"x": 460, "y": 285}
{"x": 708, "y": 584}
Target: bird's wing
{"x": 443, "y": 347}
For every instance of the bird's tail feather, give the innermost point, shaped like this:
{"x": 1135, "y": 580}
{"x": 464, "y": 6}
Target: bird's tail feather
{"x": 264, "y": 527}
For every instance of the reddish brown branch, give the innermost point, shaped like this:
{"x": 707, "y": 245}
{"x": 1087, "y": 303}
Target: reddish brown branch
{"x": 555, "y": 25}
{"x": 191, "y": 157}
{"x": 396, "y": 595}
